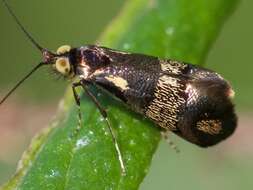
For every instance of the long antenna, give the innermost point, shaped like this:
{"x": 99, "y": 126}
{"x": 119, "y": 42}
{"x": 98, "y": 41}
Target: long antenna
{"x": 21, "y": 81}
{"x": 22, "y": 27}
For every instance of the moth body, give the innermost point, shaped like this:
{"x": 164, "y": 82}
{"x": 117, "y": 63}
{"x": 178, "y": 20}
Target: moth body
{"x": 193, "y": 102}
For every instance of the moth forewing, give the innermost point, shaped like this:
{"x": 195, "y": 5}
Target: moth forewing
{"x": 193, "y": 102}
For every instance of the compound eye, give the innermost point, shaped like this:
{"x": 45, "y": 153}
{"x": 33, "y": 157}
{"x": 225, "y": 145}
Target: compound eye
{"x": 63, "y": 49}
{"x": 62, "y": 65}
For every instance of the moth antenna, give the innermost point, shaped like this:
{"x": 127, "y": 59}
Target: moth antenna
{"x": 28, "y": 35}
{"x": 21, "y": 81}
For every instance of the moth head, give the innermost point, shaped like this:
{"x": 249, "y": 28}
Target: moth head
{"x": 61, "y": 63}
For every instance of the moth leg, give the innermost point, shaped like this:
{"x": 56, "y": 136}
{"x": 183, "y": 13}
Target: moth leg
{"x": 77, "y": 100}
{"x": 166, "y": 135}
{"x": 104, "y": 114}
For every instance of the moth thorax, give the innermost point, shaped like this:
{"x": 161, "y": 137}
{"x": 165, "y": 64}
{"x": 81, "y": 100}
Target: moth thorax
{"x": 83, "y": 71}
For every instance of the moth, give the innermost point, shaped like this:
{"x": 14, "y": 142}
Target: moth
{"x": 193, "y": 102}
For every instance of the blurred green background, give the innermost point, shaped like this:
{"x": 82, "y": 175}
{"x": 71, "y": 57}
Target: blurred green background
{"x": 52, "y": 23}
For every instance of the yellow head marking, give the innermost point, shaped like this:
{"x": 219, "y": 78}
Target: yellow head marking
{"x": 63, "y": 49}
{"x": 62, "y": 65}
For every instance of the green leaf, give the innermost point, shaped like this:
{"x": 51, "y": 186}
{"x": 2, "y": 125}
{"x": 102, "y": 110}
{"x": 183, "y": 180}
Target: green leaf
{"x": 59, "y": 158}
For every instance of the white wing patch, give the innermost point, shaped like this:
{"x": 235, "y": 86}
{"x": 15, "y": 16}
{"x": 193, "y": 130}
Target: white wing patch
{"x": 118, "y": 81}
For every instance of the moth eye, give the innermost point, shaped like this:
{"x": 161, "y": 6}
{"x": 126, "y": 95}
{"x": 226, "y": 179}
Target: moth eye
{"x": 62, "y": 65}
{"x": 63, "y": 49}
